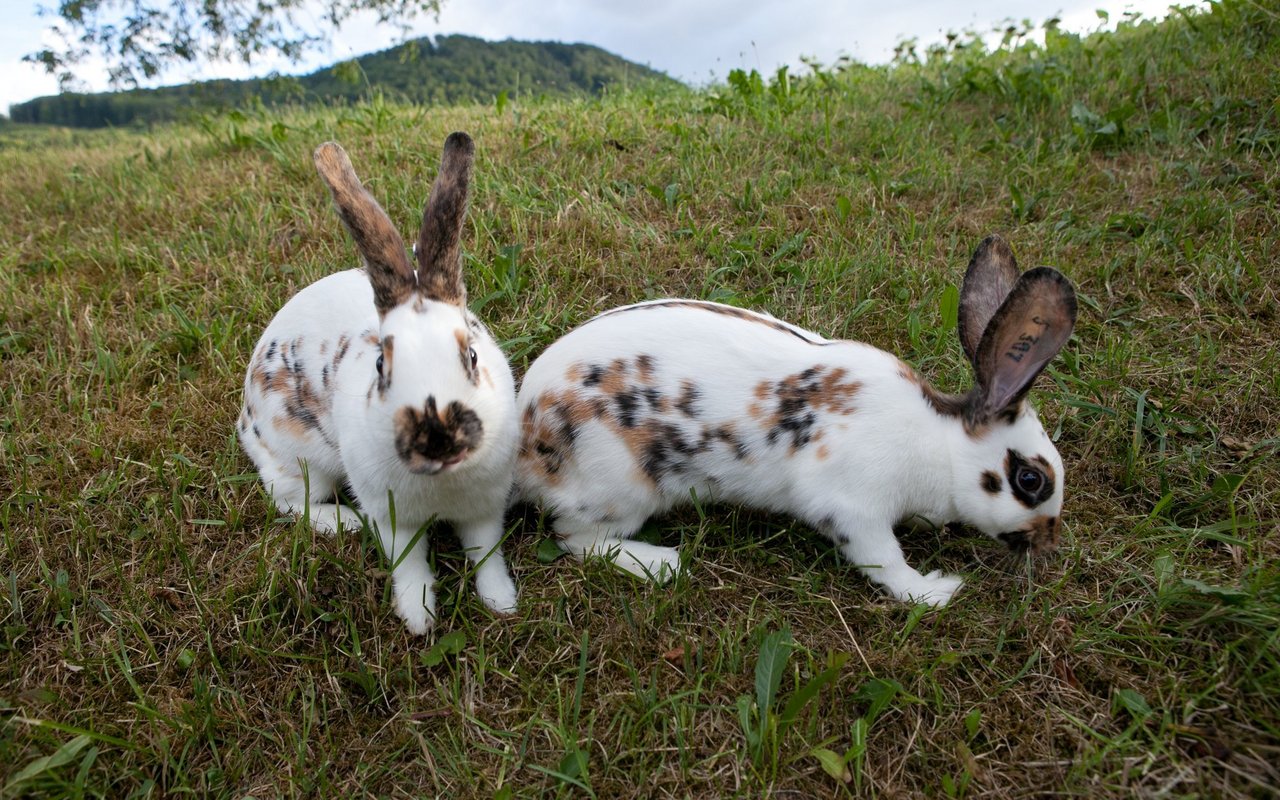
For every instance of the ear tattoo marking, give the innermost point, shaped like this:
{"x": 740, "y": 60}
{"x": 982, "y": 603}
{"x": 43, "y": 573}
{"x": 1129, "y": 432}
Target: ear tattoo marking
{"x": 1027, "y": 340}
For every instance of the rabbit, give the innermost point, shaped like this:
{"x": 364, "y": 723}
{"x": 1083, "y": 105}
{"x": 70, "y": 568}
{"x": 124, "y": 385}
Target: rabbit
{"x": 381, "y": 379}
{"x": 644, "y": 406}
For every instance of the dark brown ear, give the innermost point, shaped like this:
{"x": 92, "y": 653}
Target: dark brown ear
{"x": 439, "y": 252}
{"x": 990, "y": 277}
{"x": 376, "y": 238}
{"x": 1024, "y": 335}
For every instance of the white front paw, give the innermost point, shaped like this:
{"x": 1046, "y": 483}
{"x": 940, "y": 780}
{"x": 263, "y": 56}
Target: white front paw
{"x": 658, "y": 564}
{"x": 934, "y": 589}
{"x": 416, "y": 605}
{"x": 329, "y": 519}
{"x": 497, "y": 590}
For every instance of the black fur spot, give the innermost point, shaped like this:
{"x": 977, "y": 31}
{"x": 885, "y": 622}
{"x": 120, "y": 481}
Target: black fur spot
{"x": 687, "y": 402}
{"x": 991, "y": 482}
{"x": 628, "y": 404}
{"x": 595, "y": 374}
{"x": 668, "y": 451}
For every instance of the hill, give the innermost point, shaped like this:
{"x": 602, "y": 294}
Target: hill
{"x": 165, "y": 633}
{"x": 450, "y": 69}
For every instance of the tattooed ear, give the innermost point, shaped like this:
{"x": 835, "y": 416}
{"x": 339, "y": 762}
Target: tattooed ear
{"x": 1026, "y": 332}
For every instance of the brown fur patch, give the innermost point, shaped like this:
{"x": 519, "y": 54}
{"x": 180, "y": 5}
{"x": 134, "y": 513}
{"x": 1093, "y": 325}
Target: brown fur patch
{"x": 618, "y": 397}
{"x": 1044, "y": 533}
{"x": 796, "y": 401}
{"x": 687, "y": 401}
{"x": 278, "y": 369}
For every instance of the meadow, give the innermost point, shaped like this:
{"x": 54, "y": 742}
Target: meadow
{"x": 163, "y": 632}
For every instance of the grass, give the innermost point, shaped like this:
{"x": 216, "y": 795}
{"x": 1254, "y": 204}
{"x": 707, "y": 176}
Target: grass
{"x": 162, "y": 632}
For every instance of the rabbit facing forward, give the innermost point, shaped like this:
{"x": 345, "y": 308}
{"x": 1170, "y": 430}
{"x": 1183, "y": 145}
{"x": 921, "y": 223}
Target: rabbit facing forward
{"x": 381, "y": 379}
{"x": 635, "y": 410}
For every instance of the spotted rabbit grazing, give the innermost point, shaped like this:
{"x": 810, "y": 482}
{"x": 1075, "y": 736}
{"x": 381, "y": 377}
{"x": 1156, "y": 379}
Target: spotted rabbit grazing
{"x": 636, "y": 409}
{"x": 381, "y": 378}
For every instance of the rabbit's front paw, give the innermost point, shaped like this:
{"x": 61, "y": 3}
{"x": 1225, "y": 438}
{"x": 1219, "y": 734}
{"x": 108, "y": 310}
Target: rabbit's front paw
{"x": 416, "y": 605}
{"x": 934, "y": 589}
{"x": 497, "y": 590}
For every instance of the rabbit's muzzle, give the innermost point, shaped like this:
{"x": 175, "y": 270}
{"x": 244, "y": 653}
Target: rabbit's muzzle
{"x": 1040, "y": 538}
{"x": 430, "y": 440}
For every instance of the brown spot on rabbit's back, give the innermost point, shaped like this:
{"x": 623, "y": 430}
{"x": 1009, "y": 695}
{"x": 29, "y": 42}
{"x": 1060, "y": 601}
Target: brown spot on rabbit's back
{"x": 788, "y": 409}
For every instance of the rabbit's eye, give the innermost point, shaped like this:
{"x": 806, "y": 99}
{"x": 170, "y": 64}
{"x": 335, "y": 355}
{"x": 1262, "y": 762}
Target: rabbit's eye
{"x": 1030, "y": 481}
{"x": 471, "y": 353}
{"x": 379, "y": 364}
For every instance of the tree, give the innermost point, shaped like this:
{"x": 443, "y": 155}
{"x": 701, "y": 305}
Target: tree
{"x": 140, "y": 39}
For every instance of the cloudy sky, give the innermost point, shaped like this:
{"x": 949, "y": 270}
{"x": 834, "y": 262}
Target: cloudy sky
{"x": 697, "y": 41}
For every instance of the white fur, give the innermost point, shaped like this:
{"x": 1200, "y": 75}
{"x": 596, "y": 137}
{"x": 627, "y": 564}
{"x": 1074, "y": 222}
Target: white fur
{"x": 893, "y": 459}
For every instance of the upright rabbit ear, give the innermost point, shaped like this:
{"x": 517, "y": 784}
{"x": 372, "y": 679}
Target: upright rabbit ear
{"x": 439, "y": 252}
{"x": 376, "y": 238}
{"x": 1024, "y": 335}
{"x": 991, "y": 275}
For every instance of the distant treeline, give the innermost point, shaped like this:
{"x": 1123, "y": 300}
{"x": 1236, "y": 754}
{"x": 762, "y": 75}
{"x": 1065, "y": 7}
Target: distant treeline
{"x": 454, "y": 69}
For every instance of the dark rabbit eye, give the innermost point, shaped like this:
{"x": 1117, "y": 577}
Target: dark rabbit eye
{"x": 474, "y": 358}
{"x": 1030, "y": 481}
{"x": 379, "y": 364}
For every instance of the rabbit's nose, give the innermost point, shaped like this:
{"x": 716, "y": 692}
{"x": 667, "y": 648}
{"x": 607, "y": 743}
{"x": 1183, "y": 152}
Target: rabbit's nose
{"x": 432, "y": 434}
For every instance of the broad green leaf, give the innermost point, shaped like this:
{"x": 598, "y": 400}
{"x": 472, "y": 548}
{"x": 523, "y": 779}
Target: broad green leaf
{"x": 549, "y": 550}
{"x": 63, "y": 755}
{"x": 806, "y": 693}
{"x": 775, "y": 650}
{"x": 832, "y": 764}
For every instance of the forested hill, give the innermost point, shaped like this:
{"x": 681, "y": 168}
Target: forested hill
{"x": 452, "y": 69}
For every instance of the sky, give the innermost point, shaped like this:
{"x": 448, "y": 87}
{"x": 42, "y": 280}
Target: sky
{"x": 697, "y": 41}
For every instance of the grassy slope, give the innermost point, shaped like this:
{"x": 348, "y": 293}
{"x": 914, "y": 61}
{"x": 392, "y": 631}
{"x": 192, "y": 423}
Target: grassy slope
{"x": 152, "y": 599}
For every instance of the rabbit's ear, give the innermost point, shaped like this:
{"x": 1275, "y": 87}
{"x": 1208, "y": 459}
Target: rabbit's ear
{"x": 439, "y": 253}
{"x": 376, "y": 238}
{"x": 990, "y": 277}
{"x": 1024, "y": 335}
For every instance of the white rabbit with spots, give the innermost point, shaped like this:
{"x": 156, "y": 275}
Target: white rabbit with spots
{"x": 382, "y": 380}
{"x": 643, "y": 406}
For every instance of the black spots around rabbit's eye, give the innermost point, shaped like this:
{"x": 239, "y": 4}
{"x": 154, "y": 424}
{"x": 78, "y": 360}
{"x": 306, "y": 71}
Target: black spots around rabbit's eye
{"x": 1031, "y": 479}
{"x": 788, "y": 409}
{"x": 991, "y": 482}
{"x": 385, "y": 365}
{"x": 467, "y": 356}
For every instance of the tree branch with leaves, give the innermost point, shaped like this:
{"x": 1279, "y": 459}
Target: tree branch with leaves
{"x": 142, "y": 39}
